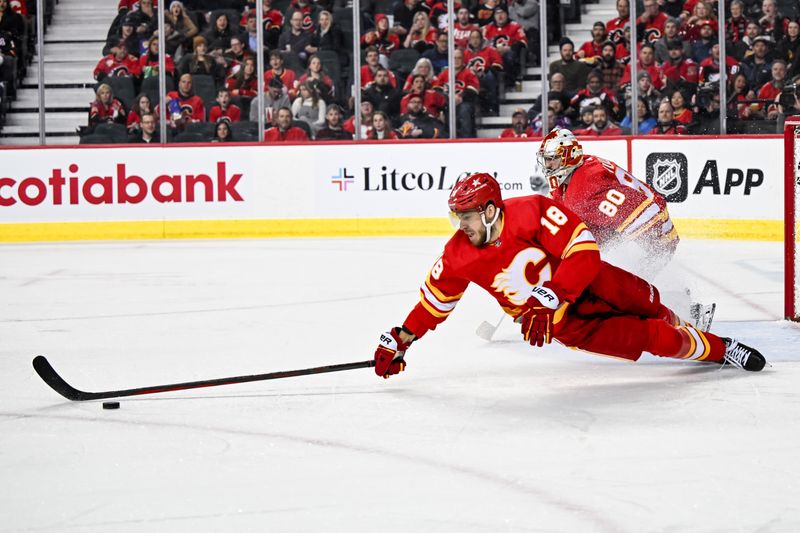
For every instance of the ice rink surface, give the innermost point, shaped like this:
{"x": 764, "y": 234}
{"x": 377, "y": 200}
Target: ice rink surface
{"x": 473, "y": 437}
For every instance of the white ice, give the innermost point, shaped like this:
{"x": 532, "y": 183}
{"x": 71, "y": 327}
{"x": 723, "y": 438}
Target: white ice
{"x": 473, "y": 437}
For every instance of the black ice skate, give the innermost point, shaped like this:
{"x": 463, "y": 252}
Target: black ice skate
{"x": 742, "y": 356}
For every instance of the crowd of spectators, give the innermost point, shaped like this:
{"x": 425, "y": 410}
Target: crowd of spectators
{"x": 211, "y": 50}
{"x": 17, "y": 37}
{"x": 211, "y": 61}
{"x": 678, "y": 60}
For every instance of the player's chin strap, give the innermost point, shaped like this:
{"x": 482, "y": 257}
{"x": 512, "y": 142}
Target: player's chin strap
{"x": 488, "y": 225}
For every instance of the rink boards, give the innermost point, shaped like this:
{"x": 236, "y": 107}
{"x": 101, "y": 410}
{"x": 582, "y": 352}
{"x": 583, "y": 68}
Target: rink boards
{"x": 722, "y": 187}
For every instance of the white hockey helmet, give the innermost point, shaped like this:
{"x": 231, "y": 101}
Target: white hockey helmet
{"x": 562, "y": 145}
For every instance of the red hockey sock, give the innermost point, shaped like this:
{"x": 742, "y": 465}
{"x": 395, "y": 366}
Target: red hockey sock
{"x": 683, "y": 342}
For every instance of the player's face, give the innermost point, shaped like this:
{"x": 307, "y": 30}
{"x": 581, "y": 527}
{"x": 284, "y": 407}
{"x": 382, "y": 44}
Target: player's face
{"x": 471, "y": 224}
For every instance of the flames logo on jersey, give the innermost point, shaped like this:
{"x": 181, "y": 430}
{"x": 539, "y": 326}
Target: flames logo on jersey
{"x": 477, "y": 64}
{"x": 501, "y": 40}
{"x": 513, "y": 281}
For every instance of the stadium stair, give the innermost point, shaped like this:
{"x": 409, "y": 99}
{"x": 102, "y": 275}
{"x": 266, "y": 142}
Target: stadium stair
{"x": 490, "y": 127}
{"x": 73, "y": 45}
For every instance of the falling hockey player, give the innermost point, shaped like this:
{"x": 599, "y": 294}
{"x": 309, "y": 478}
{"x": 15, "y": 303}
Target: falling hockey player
{"x": 543, "y": 266}
{"x": 624, "y": 214}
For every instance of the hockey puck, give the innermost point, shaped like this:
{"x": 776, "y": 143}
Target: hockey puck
{"x": 110, "y": 405}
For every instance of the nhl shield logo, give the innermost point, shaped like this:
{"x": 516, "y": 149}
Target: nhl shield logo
{"x": 667, "y": 173}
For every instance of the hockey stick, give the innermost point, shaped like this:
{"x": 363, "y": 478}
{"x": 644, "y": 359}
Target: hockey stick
{"x": 57, "y": 383}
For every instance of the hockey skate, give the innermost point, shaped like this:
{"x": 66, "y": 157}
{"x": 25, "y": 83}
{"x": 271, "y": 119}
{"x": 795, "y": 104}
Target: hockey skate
{"x": 742, "y": 356}
{"x": 702, "y": 315}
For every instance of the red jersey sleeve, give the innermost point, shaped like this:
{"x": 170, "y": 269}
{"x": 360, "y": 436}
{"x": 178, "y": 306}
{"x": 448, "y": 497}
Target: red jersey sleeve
{"x": 438, "y": 296}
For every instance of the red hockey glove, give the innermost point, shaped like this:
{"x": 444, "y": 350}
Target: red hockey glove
{"x": 390, "y": 352}
{"x": 537, "y": 317}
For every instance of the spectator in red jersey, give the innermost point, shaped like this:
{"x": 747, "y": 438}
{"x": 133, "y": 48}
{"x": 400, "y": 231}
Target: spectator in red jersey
{"x": 283, "y": 131}
{"x": 615, "y": 26}
{"x": 277, "y": 70}
{"x": 611, "y": 69}
{"x": 141, "y": 106}
{"x": 737, "y": 24}
{"x": 148, "y": 62}
{"x": 593, "y": 50}
{"x": 222, "y": 132}
{"x": 680, "y": 111}
{"x": 422, "y": 35}
{"x": 709, "y": 68}
{"x": 372, "y": 59}
{"x": 308, "y": 9}
{"x": 181, "y": 22}
{"x": 667, "y": 125}
{"x": 519, "y": 126}
{"x": 434, "y": 102}
{"x": 771, "y": 89}
{"x": 650, "y": 25}
{"x": 117, "y": 64}
{"x": 383, "y": 96}
{"x": 773, "y": 23}
{"x": 671, "y": 33}
{"x": 788, "y": 49}
{"x": 381, "y": 37}
{"x": 273, "y": 24}
{"x": 647, "y": 63}
{"x": 224, "y": 109}
{"x": 423, "y": 67}
{"x": 511, "y": 42}
{"x": 105, "y": 109}
{"x": 678, "y": 72}
{"x": 466, "y": 89}
{"x": 367, "y": 111}
{"x": 417, "y": 124}
{"x": 333, "y": 130}
{"x": 601, "y": 125}
{"x": 381, "y": 128}
{"x": 295, "y": 40}
{"x": 245, "y": 83}
{"x": 463, "y": 27}
{"x": 740, "y": 92}
{"x": 623, "y": 51}
{"x": 322, "y": 83}
{"x": 486, "y": 63}
{"x": 594, "y": 94}
{"x": 701, "y": 15}
{"x": 185, "y": 106}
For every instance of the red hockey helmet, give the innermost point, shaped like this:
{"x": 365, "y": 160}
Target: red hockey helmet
{"x": 475, "y": 192}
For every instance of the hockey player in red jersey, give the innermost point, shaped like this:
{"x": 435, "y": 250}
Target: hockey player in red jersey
{"x": 543, "y": 266}
{"x": 614, "y": 205}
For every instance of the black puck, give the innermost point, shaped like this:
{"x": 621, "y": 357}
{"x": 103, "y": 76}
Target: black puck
{"x": 110, "y": 405}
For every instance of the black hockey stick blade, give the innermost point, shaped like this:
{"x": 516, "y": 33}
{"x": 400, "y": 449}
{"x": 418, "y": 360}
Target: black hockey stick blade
{"x": 57, "y": 383}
